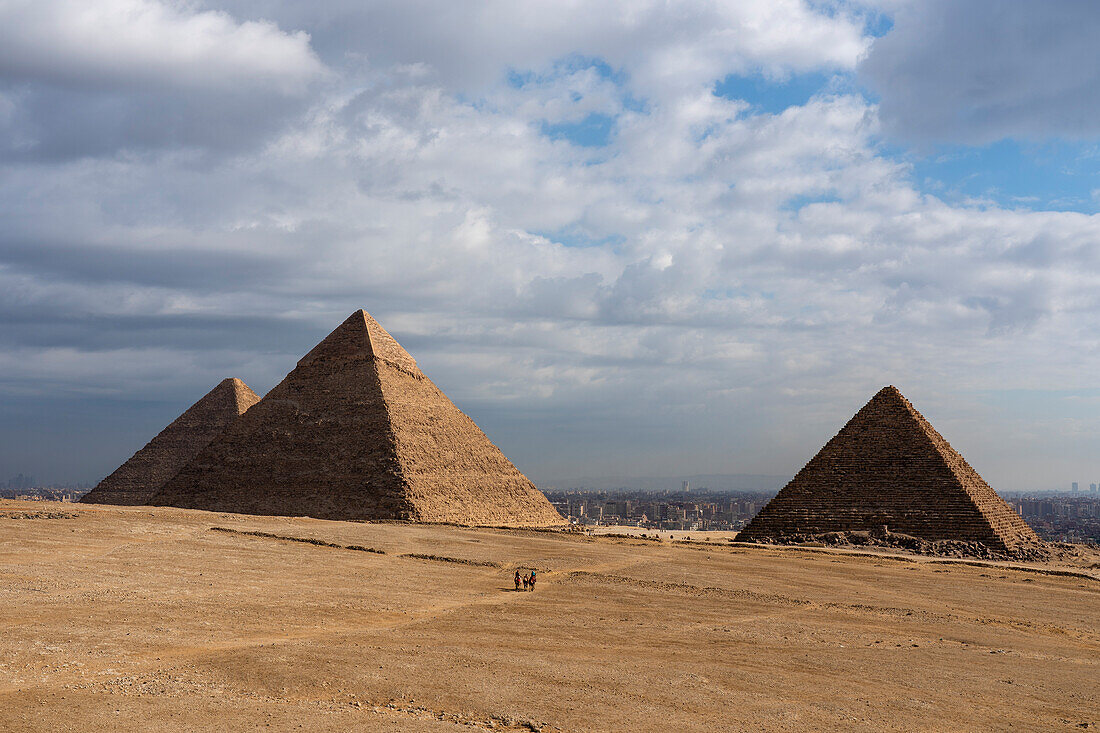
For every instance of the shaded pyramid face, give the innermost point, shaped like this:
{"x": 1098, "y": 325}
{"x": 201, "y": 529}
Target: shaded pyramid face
{"x": 357, "y": 431}
{"x": 136, "y": 480}
{"x": 888, "y": 466}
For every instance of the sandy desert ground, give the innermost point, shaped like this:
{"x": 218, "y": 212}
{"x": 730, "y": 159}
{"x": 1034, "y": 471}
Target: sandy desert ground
{"x": 129, "y": 618}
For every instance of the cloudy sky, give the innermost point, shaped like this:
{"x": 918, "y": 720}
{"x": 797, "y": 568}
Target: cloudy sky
{"x": 628, "y": 238}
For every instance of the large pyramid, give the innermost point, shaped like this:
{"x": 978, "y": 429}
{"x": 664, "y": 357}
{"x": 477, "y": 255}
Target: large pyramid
{"x": 136, "y": 480}
{"x": 888, "y": 466}
{"x": 356, "y": 431}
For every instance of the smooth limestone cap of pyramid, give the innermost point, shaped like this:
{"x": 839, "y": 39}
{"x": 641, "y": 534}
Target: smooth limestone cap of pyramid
{"x": 360, "y": 336}
{"x": 349, "y": 339}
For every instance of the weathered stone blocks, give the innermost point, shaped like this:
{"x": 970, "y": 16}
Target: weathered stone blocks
{"x": 888, "y": 466}
{"x": 356, "y": 431}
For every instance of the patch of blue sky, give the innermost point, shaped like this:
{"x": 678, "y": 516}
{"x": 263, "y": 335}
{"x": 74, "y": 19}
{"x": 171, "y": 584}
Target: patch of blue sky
{"x": 772, "y": 96}
{"x": 593, "y": 131}
{"x": 519, "y": 78}
{"x": 876, "y": 23}
{"x": 1048, "y": 176}
{"x": 596, "y": 129}
{"x": 576, "y": 237}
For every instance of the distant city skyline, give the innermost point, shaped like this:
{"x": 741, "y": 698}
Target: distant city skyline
{"x": 628, "y": 239}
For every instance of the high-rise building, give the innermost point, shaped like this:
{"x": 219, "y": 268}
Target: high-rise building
{"x": 687, "y": 486}
{"x": 1075, "y": 487}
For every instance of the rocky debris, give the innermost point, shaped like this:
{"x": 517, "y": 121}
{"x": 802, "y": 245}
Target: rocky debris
{"x": 357, "y": 431}
{"x": 1035, "y": 552}
{"x": 305, "y": 540}
{"x": 889, "y": 471}
{"x": 456, "y": 560}
{"x": 136, "y": 480}
{"x": 37, "y": 515}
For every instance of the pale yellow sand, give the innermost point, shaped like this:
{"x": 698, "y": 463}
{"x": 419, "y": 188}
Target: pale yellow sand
{"x": 128, "y": 618}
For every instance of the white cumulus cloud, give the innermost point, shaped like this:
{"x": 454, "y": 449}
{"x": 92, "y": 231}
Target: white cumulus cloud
{"x": 110, "y": 43}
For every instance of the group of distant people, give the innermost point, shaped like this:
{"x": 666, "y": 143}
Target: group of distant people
{"x": 528, "y": 581}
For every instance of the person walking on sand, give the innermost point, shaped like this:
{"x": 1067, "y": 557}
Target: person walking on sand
{"x": 532, "y": 580}
{"x": 517, "y": 580}
{"x": 526, "y": 580}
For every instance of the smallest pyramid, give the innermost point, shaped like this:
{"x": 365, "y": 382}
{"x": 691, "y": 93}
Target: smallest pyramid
{"x": 136, "y": 480}
{"x": 889, "y": 467}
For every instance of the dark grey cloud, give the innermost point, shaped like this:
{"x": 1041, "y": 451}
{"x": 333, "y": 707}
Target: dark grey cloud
{"x": 42, "y": 328}
{"x": 52, "y": 124}
{"x": 198, "y": 268}
{"x": 133, "y": 76}
{"x": 975, "y": 71}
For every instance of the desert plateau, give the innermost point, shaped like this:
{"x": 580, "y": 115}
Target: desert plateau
{"x": 156, "y": 618}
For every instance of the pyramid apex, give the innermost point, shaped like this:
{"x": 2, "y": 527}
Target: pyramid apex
{"x": 348, "y": 339}
{"x": 386, "y": 347}
{"x": 360, "y": 336}
{"x": 242, "y": 393}
{"x": 230, "y": 385}
{"x": 890, "y": 393}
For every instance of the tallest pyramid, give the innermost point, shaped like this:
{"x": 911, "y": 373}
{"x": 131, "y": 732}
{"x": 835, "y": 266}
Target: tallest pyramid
{"x": 889, "y": 467}
{"x": 356, "y": 431}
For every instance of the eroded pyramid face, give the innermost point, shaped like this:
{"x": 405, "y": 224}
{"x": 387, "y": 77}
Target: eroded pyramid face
{"x": 889, "y": 467}
{"x": 145, "y": 473}
{"x": 356, "y": 431}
